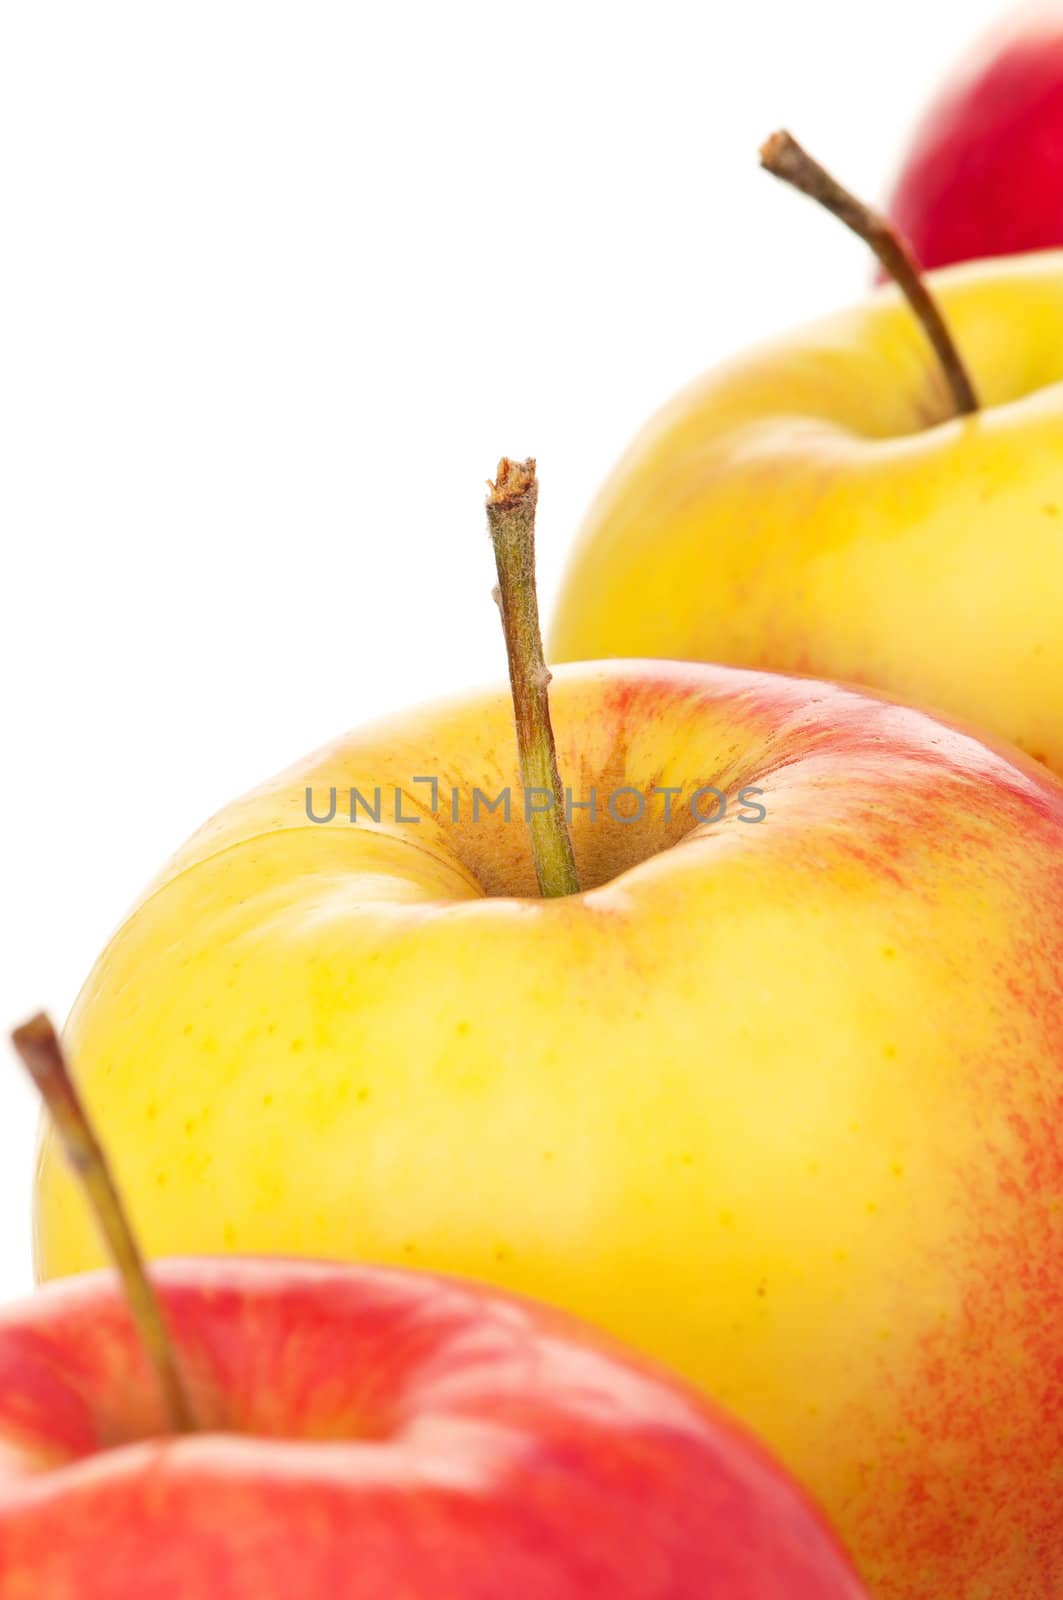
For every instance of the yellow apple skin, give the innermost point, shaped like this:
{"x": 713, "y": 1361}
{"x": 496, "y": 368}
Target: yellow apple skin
{"x": 780, "y": 1102}
{"x": 815, "y": 507}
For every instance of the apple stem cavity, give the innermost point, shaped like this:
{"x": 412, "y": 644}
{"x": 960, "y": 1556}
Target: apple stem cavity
{"x": 511, "y": 523}
{"x": 37, "y": 1045}
{"x": 784, "y": 158}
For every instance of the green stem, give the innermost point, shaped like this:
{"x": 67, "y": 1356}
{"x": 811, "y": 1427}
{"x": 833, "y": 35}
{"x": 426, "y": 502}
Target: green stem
{"x": 511, "y": 521}
{"x": 41, "y": 1053}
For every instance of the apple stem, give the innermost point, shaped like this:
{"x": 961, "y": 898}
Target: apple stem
{"x": 511, "y": 523}
{"x": 784, "y": 158}
{"x": 40, "y": 1051}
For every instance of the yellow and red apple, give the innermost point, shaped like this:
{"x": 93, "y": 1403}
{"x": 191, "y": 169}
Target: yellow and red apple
{"x": 816, "y": 507}
{"x": 778, "y": 1097}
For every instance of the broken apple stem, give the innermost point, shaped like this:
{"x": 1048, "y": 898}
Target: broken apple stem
{"x": 40, "y": 1051}
{"x": 784, "y": 158}
{"x": 511, "y": 521}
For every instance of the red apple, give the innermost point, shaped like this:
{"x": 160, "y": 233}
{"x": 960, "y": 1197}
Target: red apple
{"x": 374, "y": 1435}
{"x": 983, "y": 175}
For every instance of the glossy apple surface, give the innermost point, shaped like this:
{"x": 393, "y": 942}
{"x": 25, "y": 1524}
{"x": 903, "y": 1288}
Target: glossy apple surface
{"x": 983, "y": 174}
{"x": 813, "y": 506}
{"x": 780, "y": 1102}
{"x": 370, "y": 1435}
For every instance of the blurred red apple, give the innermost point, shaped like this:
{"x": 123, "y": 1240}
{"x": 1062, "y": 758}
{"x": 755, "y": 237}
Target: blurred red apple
{"x": 367, "y": 1435}
{"x": 983, "y": 175}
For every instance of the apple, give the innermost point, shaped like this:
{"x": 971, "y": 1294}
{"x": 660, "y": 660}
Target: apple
{"x": 367, "y": 1434}
{"x": 226, "y": 1429}
{"x": 983, "y": 172}
{"x": 776, "y": 1096}
{"x": 816, "y": 506}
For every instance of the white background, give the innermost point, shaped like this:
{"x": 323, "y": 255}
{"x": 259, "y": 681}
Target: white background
{"x": 278, "y": 283}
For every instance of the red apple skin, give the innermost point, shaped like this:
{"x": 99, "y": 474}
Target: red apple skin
{"x": 375, "y": 1435}
{"x": 984, "y": 171}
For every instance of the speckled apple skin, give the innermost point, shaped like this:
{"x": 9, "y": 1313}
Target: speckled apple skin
{"x": 815, "y": 506}
{"x": 780, "y": 1102}
{"x": 374, "y": 1435}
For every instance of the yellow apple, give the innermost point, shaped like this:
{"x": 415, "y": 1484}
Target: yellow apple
{"x": 778, "y": 1097}
{"x": 815, "y": 507}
